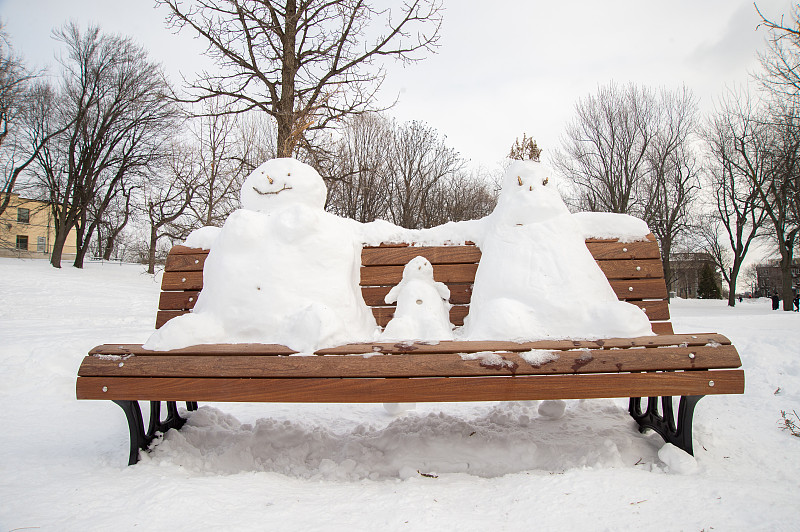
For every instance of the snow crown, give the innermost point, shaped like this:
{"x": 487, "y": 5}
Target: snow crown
{"x": 278, "y": 183}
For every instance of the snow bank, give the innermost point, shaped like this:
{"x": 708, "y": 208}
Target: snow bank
{"x": 310, "y": 467}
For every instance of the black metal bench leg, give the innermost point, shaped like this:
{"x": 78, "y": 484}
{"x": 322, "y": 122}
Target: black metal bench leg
{"x": 139, "y": 439}
{"x": 173, "y": 420}
{"x": 674, "y": 430}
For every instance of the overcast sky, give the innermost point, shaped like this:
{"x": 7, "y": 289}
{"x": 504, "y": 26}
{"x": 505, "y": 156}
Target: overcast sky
{"x": 502, "y": 68}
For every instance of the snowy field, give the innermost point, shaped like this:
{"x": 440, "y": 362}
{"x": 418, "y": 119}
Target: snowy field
{"x": 480, "y": 466}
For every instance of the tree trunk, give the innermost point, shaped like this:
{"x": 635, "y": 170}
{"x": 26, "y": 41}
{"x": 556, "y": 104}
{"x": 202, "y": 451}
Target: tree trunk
{"x": 286, "y": 122}
{"x": 58, "y": 247}
{"x": 109, "y": 247}
{"x": 732, "y": 282}
{"x": 666, "y": 249}
{"x": 83, "y": 246}
{"x": 80, "y": 253}
{"x": 151, "y": 252}
{"x": 786, "y": 280}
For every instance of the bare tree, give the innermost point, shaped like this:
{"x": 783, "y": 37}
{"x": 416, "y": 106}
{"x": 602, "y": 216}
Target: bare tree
{"x": 113, "y": 220}
{"x": 780, "y": 191}
{"x": 605, "y": 150}
{"x": 630, "y": 150}
{"x": 116, "y": 102}
{"x": 166, "y": 197}
{"x": 21, "y": 100}
{"x": 220, "y": 165}
{"x": 780, "y": 62}
{"x": 304, "y": 63}
{"x": 461, "y": 196}
{"x": 419, "y": 159}
{"x": 672, "y": 177}
{"x": 255, "y": 134}
{"x": 738, "y": 144}
{"x": 358, "y": 177}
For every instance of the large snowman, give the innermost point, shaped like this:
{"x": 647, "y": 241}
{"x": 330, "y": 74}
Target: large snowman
{"x": 281, "y": 270}
{"x": 536, "y": 278}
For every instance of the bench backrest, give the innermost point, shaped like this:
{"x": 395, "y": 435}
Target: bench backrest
{"x": 633, "y": 269}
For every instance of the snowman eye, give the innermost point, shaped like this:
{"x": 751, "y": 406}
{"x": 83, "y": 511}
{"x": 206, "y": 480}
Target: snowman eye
{"x": 530, "y": 188}
{"x": 546, "y": 179}
{"x": 519, "y": 180}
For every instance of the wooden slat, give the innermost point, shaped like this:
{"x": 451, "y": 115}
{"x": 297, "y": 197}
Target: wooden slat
{"x": 182, "y": 281}
{"x": 639, "y": 289}
{"x": 661, "y": 327}
{"x": 184, "y": 300}
{"x": 399, "y": 256}
{"x": 120, "y": 351}
{"x": 185, "y": 262}
{"x": 685, "y": 340}
{"x": 656, "y": 310}
{"x": 632, "y": 269}
{"x": 183, "y": 250}
{"x": 384, "y": 314}
{"x": 410, "y": 365}
{"x": 611, "y": 250}
{"x": 163, "y": 316}
{"x": 444, "y": 273}
{"x": 460, "y": 294}
{"x": 520, "y": 388}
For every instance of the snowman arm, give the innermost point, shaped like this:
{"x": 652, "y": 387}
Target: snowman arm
{"x": 391, "y": 297}
{"x": 444, "y": 292}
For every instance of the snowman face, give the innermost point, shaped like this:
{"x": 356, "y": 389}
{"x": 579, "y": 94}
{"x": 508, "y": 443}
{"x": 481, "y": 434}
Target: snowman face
{"x": 279, "y": 183}
{"x": 418, "y": 268}
{"x": 529, "y": 194}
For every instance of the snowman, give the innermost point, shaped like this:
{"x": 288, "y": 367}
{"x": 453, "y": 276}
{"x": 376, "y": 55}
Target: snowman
{"x": 422, "y": 309}
{"x": 536, "y": 279}
{"x": 281, "y": 270}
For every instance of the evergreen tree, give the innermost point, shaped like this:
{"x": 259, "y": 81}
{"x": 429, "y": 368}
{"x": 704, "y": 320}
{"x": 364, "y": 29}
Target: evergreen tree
{"x": 707, "y": 285}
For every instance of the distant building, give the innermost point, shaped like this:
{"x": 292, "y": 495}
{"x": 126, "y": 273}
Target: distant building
{"x": 769, "y": 279}
{"x": 27, "y": 229}
{"x": 685, "y": 276}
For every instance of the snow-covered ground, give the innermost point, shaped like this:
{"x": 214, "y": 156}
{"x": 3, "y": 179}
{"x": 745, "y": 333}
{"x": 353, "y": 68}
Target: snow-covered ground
{"x": 492, "y": 466}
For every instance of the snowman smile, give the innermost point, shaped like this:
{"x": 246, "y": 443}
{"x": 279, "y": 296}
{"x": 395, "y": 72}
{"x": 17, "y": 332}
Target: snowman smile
{"x": 285, "y": 187}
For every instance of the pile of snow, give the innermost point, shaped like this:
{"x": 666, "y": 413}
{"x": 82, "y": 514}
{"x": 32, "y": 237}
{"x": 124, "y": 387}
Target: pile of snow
{"x": 282, "y": 270}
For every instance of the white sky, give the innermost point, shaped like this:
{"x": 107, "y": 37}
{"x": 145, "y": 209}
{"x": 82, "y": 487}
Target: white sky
{"x": 503, "y": 67}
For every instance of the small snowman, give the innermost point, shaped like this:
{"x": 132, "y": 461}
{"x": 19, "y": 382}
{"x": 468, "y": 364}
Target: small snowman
{"x": 422, "y": 305}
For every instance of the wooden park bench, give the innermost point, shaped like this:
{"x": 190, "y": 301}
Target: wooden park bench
{"x": 685, "y": 365}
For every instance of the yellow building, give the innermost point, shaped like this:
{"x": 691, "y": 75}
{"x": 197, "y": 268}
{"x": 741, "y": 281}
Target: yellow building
{"x": 27, "y": 229}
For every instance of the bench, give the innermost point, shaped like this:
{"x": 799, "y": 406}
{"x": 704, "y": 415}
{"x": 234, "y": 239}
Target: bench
{"x": 657, "y": 368}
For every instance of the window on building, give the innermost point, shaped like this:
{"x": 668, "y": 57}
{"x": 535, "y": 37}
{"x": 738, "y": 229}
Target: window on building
{"x": 22, "y": 242}
{"x": 41, "y": 244}
{"x": 23, "y": 215}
